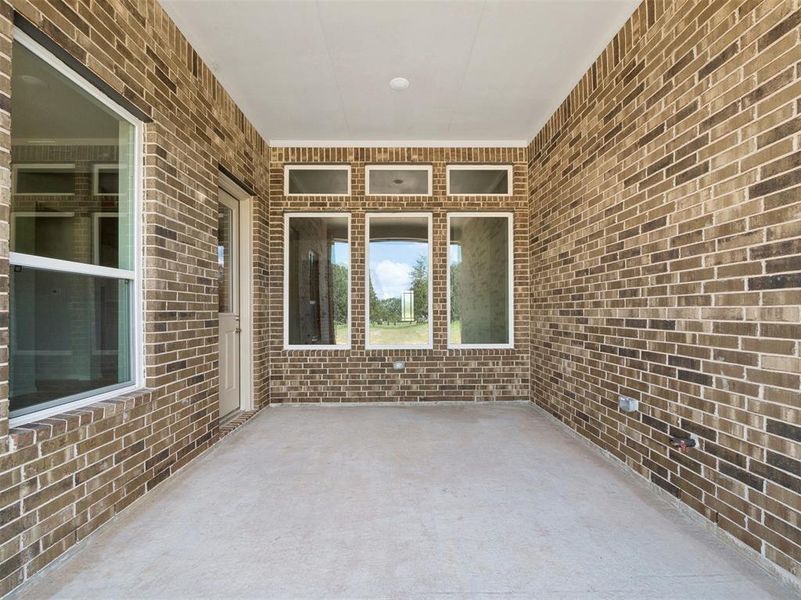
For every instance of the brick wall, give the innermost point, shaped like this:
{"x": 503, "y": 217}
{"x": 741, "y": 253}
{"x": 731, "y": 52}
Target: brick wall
{"x": 666, "y": 259}
{"x": 367, "y": 375}
{"x": 62, "y": 477}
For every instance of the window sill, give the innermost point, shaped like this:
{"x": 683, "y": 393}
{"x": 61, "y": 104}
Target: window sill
{"x": 29, "y": 434}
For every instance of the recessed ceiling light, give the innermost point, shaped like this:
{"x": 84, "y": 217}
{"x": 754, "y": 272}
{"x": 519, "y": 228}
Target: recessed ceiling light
{"x": 399, "y": 83}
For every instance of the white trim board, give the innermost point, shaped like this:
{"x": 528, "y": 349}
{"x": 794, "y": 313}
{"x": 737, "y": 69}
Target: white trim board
{"x": 399, "y": 143}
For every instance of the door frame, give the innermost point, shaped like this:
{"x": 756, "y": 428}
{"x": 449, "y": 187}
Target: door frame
{"x": 245, "y": 290}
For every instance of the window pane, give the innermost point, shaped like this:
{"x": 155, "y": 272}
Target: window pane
{"x": 318, "y": 280}
{"x": 318, "y": 181}
{"x": 59, "y": 136}
{"x": 107, "y": 180}
{"x": 399, "y": 181}
{"x": 399, "y": 281}
{"x": 225, "y": 279}
{"x": 70, "y": 334}
{"x": 478, "y": 181}
{"x": 479, "y": 273}
{"x": 43, "y": 179}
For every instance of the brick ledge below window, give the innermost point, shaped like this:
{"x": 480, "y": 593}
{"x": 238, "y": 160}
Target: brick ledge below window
{"x": 30, "y": 434}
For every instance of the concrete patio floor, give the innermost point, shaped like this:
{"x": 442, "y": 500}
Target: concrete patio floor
{"x": 457, "y": 501}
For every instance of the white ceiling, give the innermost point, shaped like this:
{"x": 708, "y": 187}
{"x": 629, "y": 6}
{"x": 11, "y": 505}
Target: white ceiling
{"x": 317, "y": 72}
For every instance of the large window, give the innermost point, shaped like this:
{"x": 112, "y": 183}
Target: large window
{"x": 317, "y": 280}
{"x": 73, "y": 238}
{"x": 480, "y": 280}
{"x": 399, "y": 281}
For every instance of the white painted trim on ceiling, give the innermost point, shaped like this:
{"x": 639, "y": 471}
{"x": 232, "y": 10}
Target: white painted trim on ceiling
{"x": 399, "y": 143}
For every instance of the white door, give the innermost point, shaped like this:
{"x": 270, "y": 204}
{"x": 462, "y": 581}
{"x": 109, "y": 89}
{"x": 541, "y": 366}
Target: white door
{"x": 228, "y": 258}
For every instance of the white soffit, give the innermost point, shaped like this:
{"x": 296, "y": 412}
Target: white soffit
{"x": 316, "y": 73}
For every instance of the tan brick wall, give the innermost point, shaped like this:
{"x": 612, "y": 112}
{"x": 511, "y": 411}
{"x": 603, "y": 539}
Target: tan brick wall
{"x": 666, "y": 259}
{"x": 357, "y": 374}
{"x": 67, "y": 475}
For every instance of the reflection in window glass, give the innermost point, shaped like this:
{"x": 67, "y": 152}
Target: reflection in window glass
{"x": 478, "y": 181}
{"x": 70, "y": 331}
{"x": 70, "y": 334}
{"x": 225, "y": 280}
{"x": 331, "y": 181}
{"x": 318, "y": 280}
{"x": 52, "y": 179}
{"x": 404, "y": 181}
{"x": 60, "y": 135}
{"x": 479, "y": 280}
{"x": 398, "y": 280}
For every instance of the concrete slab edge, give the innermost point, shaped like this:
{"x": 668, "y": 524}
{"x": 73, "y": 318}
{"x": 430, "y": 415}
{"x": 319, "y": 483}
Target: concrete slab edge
{"x": 686, "y": 511}
{"x": 402, "y": 403}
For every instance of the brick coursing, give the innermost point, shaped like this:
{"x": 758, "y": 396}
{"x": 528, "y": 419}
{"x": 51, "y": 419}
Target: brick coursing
{"x": 666, "y": 259}
{"x": 60, "y": 478}
{"x": 360, "y": 375}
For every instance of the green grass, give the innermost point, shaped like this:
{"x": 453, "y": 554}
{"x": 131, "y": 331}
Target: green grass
{"x": 398, "y": 334}
{"x": 341, "y": 333}
{"x": 388, "y": 334}
{"x": 456, "y": 332}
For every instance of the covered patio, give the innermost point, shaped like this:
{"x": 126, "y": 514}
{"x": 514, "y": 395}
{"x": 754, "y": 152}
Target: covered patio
{"x": 480, "y": 501}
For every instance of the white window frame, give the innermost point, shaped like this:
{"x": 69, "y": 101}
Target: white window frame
{"x": 15, "y": 168}
{"x": 486, "y": 167}
{"x": 318, "y": 215}
{"x": 510, "y": 279}
{"x": 96, "y": 168}
{"x": 399, "y": 167}
{"x": 429, "y": 345}
{"x": 316, "y": 167}
{"x": 69, "y": 403}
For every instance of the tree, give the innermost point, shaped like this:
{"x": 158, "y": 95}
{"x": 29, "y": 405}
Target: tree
{"x": 455, "y": 309}
{"x": 419, "y": 286}
{"x": 340, "y": 275}
{"x": 377, "y": 312}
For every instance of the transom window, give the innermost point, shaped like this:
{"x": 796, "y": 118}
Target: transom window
{"x": 73, "y": 285}
{"x": 317, "y": 180}
{"x": 399, "y": 280}
{"x": 479, "y": 180}
{"x": 398, "y": 180}
{"x": 480, "y": 280}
